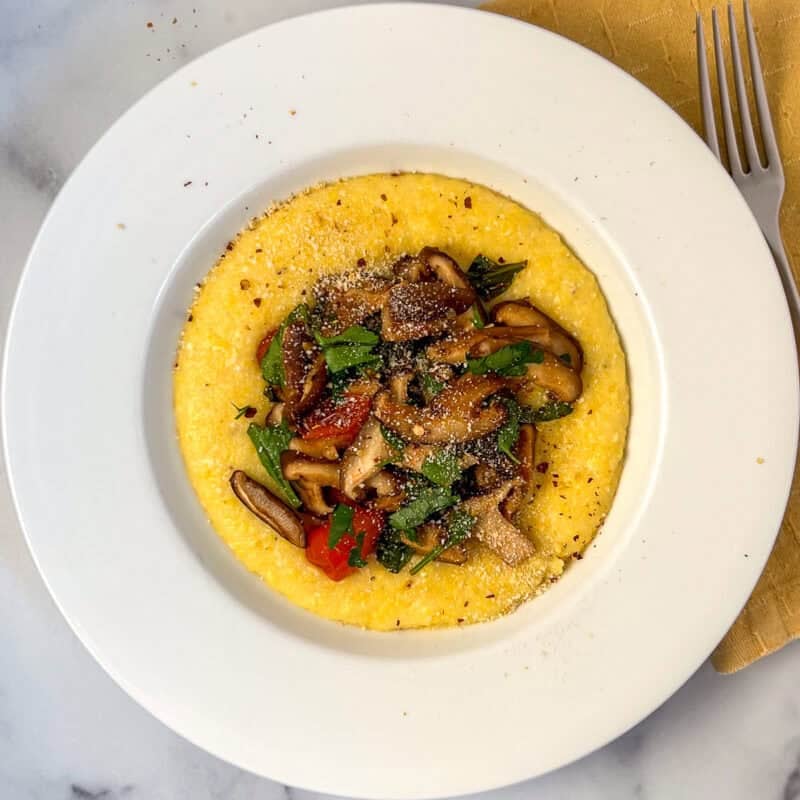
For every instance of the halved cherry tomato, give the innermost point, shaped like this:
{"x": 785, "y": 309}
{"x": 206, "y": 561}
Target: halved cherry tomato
{"x": 343, "y": 417}
{"x": 263, "y": 346}
{"x": 334, "y": 561}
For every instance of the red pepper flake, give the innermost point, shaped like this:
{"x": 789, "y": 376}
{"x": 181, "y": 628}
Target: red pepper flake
{"x": 362, "y": 262}
{"x": 467, "y": 202}
{"x": 188, "y": 183}
{"x": 562, "y": 497}
{"x": 244, "y": 284}
{"x": 259, "y": 249}
{"x": 257, "y": 302}
{"x": 339, "y": 201}
{"x": 250, "y": 412}
{"x": 501, "y": 260}
{"x": 555, "y": 484}
{"x": 384, "y": 197}
{"x": 543, "y": 466}
{"x": 466, "y": 603}
{"x": 575, "y": 537}
{"x": 555, "y": 474}
{"x": 394, "y": 220}
{"x": 191, "y": 317}
{"x": 149, "y": 24}
{"x": 229, "y": 246}
{"x": 577, "y": 556}
{"x": 554, "y": 579}
{"x": 409, "y": 584}
{"x": 397, "y": 623}
{"x": 460, "y": 620}
{"x": 589, "y": 412}
{"x": 589, "y": 480}
{"x": 490, "y": 596}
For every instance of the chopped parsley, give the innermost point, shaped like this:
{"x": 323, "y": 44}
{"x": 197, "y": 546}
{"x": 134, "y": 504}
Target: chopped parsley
{"x": 394, "y": 441}
{"x": 477, "y": 319}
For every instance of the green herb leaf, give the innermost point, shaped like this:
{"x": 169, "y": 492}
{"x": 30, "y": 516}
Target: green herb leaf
{"x": 566, "y": 358}
{"x": 355, "y": 559}
{"x": 427, "y": 502}
{"x": 550, "y": 411}
{"x": 508, "y": 434}
{"x": 510, "y": 360}
{"x": 270, "y": 441}
{"x": 392, "y": 553}
{"x": 272, "y": 363}
{"x": 430, "y": 386}
{"x": 442, "y": 468}
{"x": 459, "y": 526}
{"x": 345, "y": 356}
{"x": 341, "y": 523}
{"x": 490, "y": 278}
{"x": 242, "y": 411}
{"x": 394, "y": 441}
{"x": 355, "y": 334}
{"x": 477, "y": 319}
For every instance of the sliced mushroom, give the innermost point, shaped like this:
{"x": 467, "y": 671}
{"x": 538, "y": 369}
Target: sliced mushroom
{"x": 523, "y": 489}
{"x": 430, "y": 536}
{"x": 268, "y": 508}
{"x": 486, "y": 476}
{"x": 445, "y": 269}
{"x": 551, "y": 373}
{"x": 398, "y": 386}
{"x": 366, "y": 386}
{"x": 552, "y": 339}
{"x": 275, "y": 415}
{"x": 310, "y": 475}
{"x": 410, "y": 268}
{"x": 454, "y": 350}
{"x": 456, "y": 414}
{"x": 384, "y": 483}
{"x": 327, "y": 448}
{"x": 494, "y": 530}
{"x": 415, "y": 310}
{"x": 364, "y": 458}
{"x": 304, "y": 370}
{"x": 555, "y": 376}
{"x": 521, "y": 314}
{"x": 389, "y": 503}
{"x": 353, "y": 306}
{"x": 415, "y": 455}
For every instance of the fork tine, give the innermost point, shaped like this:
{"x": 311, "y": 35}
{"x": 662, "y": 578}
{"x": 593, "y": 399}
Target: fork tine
{"x": 724, "y": 100}
{"x": 764, "y": 117}
{"x": 750, "y": 146}
{"x": 704, "y": 82}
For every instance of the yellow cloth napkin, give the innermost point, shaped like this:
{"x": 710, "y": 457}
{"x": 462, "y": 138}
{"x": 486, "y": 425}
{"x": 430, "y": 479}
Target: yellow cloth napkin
{"x": 654, "y": 41}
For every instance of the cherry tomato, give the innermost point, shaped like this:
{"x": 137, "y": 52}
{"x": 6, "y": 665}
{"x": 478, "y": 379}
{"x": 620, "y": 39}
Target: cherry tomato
{"x": 342, "y": 418}
{"x": 334, "y": 561}
{"x": 263, "y": 346}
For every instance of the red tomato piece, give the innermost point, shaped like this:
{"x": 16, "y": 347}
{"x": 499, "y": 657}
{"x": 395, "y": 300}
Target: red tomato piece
{"x": 334, "y": 561}
{"x": 263, "y": 346}
{"x": 343, "y": 418}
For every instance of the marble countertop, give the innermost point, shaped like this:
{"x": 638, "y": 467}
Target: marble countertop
{"x": 67, "y": 70}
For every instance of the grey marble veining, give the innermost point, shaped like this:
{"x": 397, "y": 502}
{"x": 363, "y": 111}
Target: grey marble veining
{"x": 67, "y": 70}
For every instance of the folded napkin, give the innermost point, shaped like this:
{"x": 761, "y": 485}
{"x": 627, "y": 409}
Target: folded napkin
{"x": 654, "y": 40}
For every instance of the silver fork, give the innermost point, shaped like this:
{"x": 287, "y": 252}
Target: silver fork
{"x": 761, "y": 184}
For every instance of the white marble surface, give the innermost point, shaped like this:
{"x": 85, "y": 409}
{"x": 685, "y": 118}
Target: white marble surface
{"x": 67, "y": 70}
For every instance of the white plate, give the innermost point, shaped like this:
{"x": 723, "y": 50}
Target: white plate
{"x": 119, "y": 537}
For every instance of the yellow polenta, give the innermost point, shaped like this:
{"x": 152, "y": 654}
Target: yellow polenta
{"x": 271, "y": 267}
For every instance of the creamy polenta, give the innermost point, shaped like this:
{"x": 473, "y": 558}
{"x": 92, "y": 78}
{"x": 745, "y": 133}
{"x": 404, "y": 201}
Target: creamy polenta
{"x": 270, "y": 268}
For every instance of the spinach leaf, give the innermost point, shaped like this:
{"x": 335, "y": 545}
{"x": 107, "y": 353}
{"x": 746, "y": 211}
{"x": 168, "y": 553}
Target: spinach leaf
{"x": 345, "y": 356}
{"x": 550, "y": 411}
{"x": 270, "y": 441}
{"x": 355, "y": 334}
{"x": 510, "y": 360}
{"x": 477, "y": 320}
{"x": 272, "y": 363}
{"x": 392, "y": 553}
{"x": 490, "y": 278}
{"x": 394, "y": 441}
{"x": 355, "y": 559}
{"x": 459, "y": 526}
{"x": 509, "y": 432}
{"x": 428, "y": 501}
{"x": 341, "y": 523}
{"x": 442, "y": 468}
{"x": 429, "y": 385}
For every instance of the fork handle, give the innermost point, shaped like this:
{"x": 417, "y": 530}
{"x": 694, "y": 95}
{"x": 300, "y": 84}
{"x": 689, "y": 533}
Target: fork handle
{"x": 787, "y": 278}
